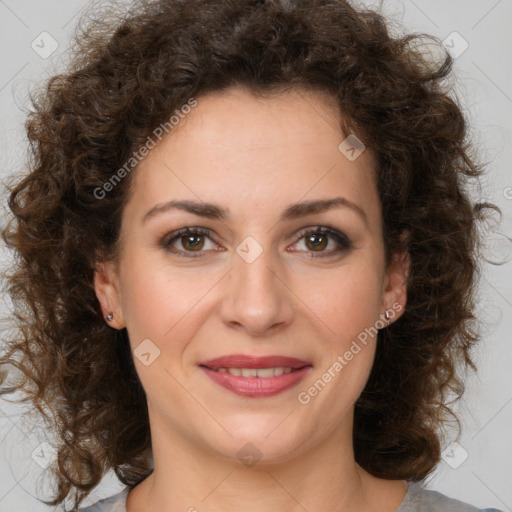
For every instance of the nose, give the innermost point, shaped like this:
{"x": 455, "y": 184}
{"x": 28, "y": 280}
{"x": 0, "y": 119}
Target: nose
{"x": 256, "y": 296}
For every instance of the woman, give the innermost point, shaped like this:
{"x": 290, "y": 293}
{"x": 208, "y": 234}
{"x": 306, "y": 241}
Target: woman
{"x": 246, "y": 261}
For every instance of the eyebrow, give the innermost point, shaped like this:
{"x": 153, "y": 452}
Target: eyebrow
{"x": 293, "y": 211}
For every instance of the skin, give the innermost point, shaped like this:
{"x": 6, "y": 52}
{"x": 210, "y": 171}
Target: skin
{"x": 254, "y": 157}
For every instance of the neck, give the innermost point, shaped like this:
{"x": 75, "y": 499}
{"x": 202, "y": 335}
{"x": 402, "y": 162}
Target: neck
{"x": 188, "y": 475}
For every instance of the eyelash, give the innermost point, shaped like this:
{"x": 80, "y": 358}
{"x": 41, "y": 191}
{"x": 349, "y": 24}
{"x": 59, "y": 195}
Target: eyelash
{"x": 343, "y": 241}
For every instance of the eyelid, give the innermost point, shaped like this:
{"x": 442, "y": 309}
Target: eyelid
{"x": 169, "y": 239}
{"x": 339, "y": 237}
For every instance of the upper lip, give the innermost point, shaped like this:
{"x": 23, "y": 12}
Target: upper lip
{"x": 243, "y": 361}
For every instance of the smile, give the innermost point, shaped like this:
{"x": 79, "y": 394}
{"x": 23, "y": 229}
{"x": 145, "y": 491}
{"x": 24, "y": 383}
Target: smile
{"x": 256, "y": 376}
{"x": 257, "y": 382}
{"x": 261, "y": 373}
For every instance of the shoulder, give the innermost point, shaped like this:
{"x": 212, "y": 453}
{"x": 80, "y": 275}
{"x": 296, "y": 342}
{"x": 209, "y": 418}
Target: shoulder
{"x": 116, "y": 503}
{"x": 418, "y": 499}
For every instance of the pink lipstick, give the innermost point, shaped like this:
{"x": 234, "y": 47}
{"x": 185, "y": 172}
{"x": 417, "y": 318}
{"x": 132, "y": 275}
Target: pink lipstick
{"x": 254, "y": 377}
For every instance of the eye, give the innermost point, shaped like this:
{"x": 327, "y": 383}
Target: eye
{"x": 319, "y": 238}
{"x": 191, "y": 239}
{"x": 194, "y": 241}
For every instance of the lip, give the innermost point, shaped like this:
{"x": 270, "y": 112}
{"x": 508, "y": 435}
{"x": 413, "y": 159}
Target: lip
{"x": 255, "y": 387}
{"x": 243, "y": 361}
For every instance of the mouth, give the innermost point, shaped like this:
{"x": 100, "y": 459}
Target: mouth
{"x": 254, "y": 377}
{"x": 260, "y": 373}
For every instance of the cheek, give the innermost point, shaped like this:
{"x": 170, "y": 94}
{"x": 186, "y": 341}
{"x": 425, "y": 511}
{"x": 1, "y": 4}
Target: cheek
{"x": 157, "y": 301}
{"x": 347, "y": 301}
{"x": 349, "y": 307}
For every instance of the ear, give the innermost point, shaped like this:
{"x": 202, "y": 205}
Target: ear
{"x": 106, "y": 286}
{"x": 395, "y": 285}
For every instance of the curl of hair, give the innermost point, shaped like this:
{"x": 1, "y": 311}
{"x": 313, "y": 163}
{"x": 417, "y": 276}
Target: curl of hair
{"x": 127, "y": 77}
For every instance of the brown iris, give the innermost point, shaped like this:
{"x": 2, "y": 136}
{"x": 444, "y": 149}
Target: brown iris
{"x": 192, "y": 242}
{"x": 318, "y": 240}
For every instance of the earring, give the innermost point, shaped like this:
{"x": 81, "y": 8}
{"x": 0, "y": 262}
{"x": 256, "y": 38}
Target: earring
{"x": 386, "y": 315}
{"x": 109, "y": 317}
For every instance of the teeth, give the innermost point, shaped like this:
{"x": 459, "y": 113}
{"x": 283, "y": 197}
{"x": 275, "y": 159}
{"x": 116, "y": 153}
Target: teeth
{"x": 262, "y": 373}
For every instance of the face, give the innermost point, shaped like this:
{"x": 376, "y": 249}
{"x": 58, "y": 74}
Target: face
{"x": 229, "y": 246}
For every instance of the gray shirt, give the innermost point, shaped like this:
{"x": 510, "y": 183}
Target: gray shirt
{"x": 417, "y": 499}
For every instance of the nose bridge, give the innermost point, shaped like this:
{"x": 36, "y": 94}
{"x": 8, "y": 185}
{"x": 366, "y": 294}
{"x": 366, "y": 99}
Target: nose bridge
{"x": 256, "y": 297}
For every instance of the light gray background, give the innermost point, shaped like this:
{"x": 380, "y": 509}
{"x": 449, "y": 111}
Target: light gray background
{"x": 484, "y": 85}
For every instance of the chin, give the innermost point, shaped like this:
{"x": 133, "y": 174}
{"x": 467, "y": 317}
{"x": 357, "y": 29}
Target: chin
{"x": 258, "y": 442}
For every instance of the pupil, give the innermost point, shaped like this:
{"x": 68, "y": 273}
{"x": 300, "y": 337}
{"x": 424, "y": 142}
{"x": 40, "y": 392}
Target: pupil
{"x": 314, "y": 239}
{"x": 192, "y": 241}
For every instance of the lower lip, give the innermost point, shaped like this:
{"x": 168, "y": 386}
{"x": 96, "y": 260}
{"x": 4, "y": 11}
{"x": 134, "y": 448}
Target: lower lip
{"x": 255, "y": 387}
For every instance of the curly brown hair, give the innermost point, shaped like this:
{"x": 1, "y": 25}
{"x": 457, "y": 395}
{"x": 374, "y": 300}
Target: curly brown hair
{"x": 126, "y": 78}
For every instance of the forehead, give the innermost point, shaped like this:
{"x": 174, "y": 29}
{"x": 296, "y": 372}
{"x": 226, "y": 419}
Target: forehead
{"x": 243, "y": 119}
{"x": 256, "y": 152}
